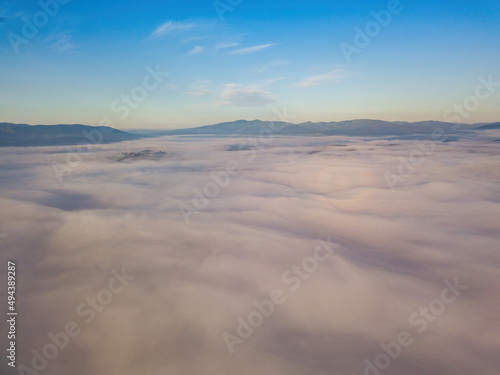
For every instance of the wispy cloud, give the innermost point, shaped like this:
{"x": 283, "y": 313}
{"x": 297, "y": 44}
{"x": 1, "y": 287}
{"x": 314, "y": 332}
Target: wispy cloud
{"x": 172, "y": 26}
{"x": 323, "y": 79}
{"x": 241, "y": 96}
{"x": 196, "y": 50}
{"x": 226, "y": 45}
{"x": 61, "y": 42}
{"x": 270, "y": 81}
{"x": 272, "y": 64}
{"x": 199, "y": 89}
{"x": 244, "y": 51}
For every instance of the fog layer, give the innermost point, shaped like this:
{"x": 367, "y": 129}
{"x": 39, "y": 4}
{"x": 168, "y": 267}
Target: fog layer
{"x": 198, "y": 264}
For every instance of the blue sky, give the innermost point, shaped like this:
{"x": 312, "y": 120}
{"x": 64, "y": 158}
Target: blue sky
{"x": 256, "y": 60}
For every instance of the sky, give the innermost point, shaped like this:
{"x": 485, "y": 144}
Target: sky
{"x": 166, "y": 64}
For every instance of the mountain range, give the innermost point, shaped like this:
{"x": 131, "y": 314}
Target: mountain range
{"x": 12, "y": 135}
{"x": 53, "y": 135}
{"x": 362, "y": 128}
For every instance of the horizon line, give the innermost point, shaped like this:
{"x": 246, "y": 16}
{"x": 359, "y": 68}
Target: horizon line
{"x": 255, "y": 120}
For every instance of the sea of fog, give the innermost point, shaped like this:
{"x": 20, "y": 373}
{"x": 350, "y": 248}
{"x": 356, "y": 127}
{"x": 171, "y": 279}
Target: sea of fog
{"x": 290, "y": 255}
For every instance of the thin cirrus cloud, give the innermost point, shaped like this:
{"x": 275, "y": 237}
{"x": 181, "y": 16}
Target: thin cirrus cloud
{"x": 270, "y": 81}
{"x": 195, "y": 50}
{"x": 61, "y": 42}
{"x": 199, "y": 89}
{"x": 226, "y": 45}
{"x": 172, "y": 26}
{"x": 244, "y": 51}
{"x": 336, "y": 75}
{"x": 272, "y": 65}
{"x": 245, "y": 96}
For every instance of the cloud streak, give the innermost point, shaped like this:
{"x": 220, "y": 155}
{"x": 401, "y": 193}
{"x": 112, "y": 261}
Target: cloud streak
{"x": 199, "y": 88}
{"x": 61, "y": 42}
{"x": 333, "y": 76}
{"x": 196, "y": 50}
{"x": 172, "y": 27}
{"x": 226, "y": 45}
{"x": 249, "y": 96}
{"x": 248, "y": 50}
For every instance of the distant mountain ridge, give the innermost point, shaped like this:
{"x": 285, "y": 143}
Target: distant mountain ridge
{"x": 363, "y": 128}
{"x": 16, "y": 135}
{"x": 495, "y": 125}
{"x": 19, "y": 135}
